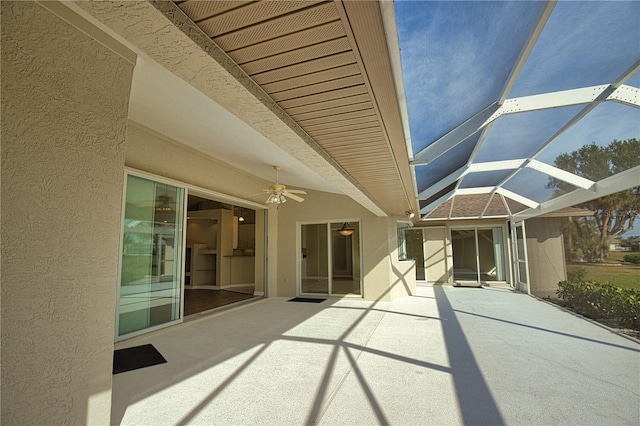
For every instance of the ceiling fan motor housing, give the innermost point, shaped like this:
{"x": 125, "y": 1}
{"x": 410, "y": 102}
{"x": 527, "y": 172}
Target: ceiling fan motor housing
{"x": 276, "y": 187}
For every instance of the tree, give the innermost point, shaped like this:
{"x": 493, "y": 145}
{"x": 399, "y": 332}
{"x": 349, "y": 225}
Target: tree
{"x": 615, "y": 213}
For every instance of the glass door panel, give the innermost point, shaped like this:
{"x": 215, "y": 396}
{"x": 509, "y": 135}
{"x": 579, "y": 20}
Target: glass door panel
{"x": 345, "y": 260}
{"x": 465, "y": 255}
{"x": 314, "y": 267}
{"x": 499, "y": 254}
{"x": 415, "y": 251}
{"x": 151, "y": 255}
{"x": 491, "y": 254}
{"x": 521, "y": 266}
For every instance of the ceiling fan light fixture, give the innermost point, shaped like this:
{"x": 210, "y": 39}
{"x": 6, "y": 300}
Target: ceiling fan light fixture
{"x": 281, "y": 199}
{"x": 346, "y": 229}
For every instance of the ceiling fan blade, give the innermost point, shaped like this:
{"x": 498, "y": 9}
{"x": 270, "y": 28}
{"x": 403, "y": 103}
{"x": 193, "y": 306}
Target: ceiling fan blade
{"x": 296, "y": 191}
{"x": 292, "y": 196}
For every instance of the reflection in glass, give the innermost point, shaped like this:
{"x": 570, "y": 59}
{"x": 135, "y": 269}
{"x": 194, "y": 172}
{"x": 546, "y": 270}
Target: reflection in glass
{"x": 465, "y": 256}
{"x": 521, "y": 259}
{"x": 415, "y": 251}
{"x": 345, "y": 278}
{"x": 478, "y": 254}
{"x": 330, "y": 269}
{"x": 402, "y": 240}
{"x": 315, "y": 259}
{"x": 151, "y": 255}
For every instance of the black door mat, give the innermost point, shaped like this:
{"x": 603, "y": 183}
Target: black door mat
{"x": 306, "y": 299}
{"x": 136, "y": 357}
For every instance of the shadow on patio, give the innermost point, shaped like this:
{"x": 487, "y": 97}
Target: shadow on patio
{"x": 446, "y": 356}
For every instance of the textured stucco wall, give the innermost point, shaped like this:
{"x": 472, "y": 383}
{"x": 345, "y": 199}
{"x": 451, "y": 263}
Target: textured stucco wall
{"x": 151, "y": 152}
{"x": 545, "y": 250}
{"x": 64, "y": 109}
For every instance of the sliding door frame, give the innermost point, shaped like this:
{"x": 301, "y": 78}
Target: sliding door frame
{"x": 187, "y": 188}
{"x": 505, "y": 252}
{"x": 299, "y": 271}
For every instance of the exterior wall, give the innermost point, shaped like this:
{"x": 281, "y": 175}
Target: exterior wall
{"x": 64, "y": 108}
{"x": 377, "y": 243}
{"x": 545, "y": 250}
{"x": 151, "y": 152}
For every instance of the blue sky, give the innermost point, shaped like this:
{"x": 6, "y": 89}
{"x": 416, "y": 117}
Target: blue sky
{"x": 457, "y": 56}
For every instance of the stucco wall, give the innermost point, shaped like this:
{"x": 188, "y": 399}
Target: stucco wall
{"x": 151, "y": 152}
{"x": 545, "y": 250}
{"x": 64, "y": 109}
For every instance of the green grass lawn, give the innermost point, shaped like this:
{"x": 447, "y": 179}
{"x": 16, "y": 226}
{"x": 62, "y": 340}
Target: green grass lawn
{"x": 626, "y": 276}
{"x": 617, "y": 256}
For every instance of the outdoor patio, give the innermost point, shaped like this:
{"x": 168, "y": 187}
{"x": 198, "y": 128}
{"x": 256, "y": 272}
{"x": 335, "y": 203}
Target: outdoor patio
{"x": 445, "y": 356}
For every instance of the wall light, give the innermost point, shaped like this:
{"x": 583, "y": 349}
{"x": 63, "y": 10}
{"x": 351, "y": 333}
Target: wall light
{"x": 346, "y": 230}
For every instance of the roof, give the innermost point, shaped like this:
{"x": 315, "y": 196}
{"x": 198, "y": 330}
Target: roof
{"x": 455, "y": 109}
{"x": 497, "y": 90}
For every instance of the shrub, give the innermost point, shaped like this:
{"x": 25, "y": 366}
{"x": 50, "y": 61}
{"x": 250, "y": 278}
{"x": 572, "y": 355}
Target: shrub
{"x": 632, "y": 258}
{"x": 576, "y": 275}
{"x": 602, "y": 301}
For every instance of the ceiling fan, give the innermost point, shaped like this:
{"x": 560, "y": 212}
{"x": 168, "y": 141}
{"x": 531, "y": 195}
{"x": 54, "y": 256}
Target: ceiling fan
{"x": 278, "y": 193}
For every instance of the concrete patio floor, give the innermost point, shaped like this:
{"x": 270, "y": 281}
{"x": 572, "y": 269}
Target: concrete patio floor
{"x": 445, "y": 356}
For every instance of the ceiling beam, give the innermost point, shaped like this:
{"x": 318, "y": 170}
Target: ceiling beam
{"x": 454, "y": 137}
{"x": 626, "y": 95}
{"x": 549, "y": 100}
{"x": 616, "y": 183}
{"x": 426, "y": 209}
{"x": 443, "y": 183}
{"x": 560, "y": 174}
{"x": 491, "y": 166}
{"x": 517, "y": 197}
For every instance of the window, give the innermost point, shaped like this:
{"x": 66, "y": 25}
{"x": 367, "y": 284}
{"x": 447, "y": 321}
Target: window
{"x": 402, "y": 240}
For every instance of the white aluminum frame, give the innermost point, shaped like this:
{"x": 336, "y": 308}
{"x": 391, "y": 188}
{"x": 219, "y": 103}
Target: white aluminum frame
{"x": 187, "y": 188}
{"x": 505, "y": 243}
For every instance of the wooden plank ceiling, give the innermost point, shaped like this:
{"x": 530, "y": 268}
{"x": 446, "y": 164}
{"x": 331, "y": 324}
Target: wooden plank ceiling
{"x": 326, "y": 64}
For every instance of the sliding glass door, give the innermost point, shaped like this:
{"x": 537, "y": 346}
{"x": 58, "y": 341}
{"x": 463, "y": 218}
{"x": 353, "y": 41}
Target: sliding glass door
{"x": 150, "y": 282}
{"x": 330, "y": 259}
{"x": 478, "y": 254}
{"x": 315, "y": 259}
